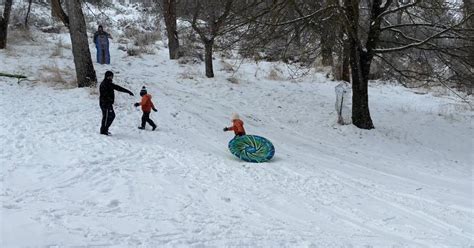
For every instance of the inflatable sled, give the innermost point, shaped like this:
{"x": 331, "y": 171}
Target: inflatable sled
{"x": 252, "y": 148}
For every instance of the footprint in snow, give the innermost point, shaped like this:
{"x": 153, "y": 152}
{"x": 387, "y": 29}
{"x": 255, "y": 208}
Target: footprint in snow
{"x": 113, "y": 203}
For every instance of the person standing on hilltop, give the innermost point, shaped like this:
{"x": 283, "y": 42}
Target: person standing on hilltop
{"x": 101, "y": 41}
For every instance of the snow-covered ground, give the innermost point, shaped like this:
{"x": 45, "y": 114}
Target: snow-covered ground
{"x": 407, "y": 183}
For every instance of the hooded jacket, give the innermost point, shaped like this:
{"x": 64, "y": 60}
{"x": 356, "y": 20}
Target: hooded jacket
{"x": 107, "y": 95}
{"x": 146, "y": 103}
{"x": 237, "y": 127}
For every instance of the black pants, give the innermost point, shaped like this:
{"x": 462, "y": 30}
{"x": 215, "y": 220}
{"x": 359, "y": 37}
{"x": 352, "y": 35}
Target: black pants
{"x": 108, "y": 116}
{"x": 146, "y": 118}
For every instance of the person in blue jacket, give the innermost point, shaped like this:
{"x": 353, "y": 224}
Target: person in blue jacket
{"x": 101, "y": 41}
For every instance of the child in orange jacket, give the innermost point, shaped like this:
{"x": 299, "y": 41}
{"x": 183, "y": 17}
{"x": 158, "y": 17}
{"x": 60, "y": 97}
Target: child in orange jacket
{"x": 237, "y": 125}
{"x": 147, "y": 106}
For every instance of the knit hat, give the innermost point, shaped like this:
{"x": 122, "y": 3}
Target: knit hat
{"x": 143, "y": 91}
{"x": 235, "y": 116}
{"x": 108, "y": 74}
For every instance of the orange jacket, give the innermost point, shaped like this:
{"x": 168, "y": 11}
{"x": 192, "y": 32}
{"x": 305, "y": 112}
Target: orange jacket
{"x": 146, "y": 103}
{"x": 237, "y": 127}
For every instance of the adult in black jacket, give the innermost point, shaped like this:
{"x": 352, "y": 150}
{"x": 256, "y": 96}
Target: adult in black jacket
{"x": 106, "y": 101}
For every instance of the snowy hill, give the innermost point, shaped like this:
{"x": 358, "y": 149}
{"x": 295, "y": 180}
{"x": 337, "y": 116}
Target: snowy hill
{"x": 407, "y": 183}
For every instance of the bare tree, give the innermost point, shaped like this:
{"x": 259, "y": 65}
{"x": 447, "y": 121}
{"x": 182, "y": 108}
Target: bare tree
{"x": 412, "y": 31}
{"x": 366, "y": 33}
{"x": 4, "y": 23}
{"x": 58, "y": 12}
{"x": 169, "y": 13}
{"x": 469, "y": 80}
{"x": 30, "y": 2}
{"x": 360, "y": 61}
{"x": 85, "y": 72}
{"x": 208, "y": 18}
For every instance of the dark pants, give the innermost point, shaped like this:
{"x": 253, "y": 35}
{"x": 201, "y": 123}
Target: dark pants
{"x": 146, "y": 118}
{"x": 108, "y": 116}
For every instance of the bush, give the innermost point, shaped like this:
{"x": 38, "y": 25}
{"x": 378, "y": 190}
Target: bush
{"x": 275, "y": 74}
{"x": 56, "y": 76}
{"x": 233, "y": 80}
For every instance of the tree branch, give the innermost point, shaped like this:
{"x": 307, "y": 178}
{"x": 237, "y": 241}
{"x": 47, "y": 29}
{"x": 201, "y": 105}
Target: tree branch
{"x": 422, "y": 42}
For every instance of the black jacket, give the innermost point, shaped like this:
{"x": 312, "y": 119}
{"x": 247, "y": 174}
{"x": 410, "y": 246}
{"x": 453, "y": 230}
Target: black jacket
{"x": 107, "y": 96}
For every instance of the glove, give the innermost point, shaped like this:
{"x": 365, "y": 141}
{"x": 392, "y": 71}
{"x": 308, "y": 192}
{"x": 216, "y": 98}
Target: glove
{"x": 226, "y": 129}
{"x": 131, "y": 94}
{"x": 136, "y": 104}
{"x": 154, "y": 109}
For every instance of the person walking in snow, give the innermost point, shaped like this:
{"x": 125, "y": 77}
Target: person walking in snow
{"x": 147, "y": 106}
{"x": 237, "y": 125}
{"x": 106, "y": 101}
{"x": 101, "y": 41}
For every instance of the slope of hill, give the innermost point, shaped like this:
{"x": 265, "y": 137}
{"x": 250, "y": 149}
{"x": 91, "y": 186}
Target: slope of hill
{"x": 407, "y": 183}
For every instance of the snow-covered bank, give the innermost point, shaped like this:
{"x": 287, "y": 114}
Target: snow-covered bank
{"x": 407, "y": 183}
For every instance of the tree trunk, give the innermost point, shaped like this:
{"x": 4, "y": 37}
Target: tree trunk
{"x": 327, "y": 42}
{"x": 360, "y": 69}
{"x": 169, "y": 14}
{"x": 208, "y": 58}
{"x": 469, "y": 9}
{"x": 346, "y": 56}
{"x": 58, "y": 12}
{"x": 28, "y": 13}
{"x": 4, "y": 23}
{"x": 85, "y": 72}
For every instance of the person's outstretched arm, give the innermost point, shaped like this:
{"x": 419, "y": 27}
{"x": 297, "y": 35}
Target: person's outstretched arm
{"x": 121, "y": 89}
{"x": 229, "y": 128}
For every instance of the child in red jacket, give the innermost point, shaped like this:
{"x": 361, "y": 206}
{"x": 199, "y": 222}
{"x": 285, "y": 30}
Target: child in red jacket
{"x": 147, "y": 106}
{"x": 237, "y": 125}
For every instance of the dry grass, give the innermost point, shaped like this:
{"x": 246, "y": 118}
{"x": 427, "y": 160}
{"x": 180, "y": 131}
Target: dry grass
{"x": 133, "y": 51}
{"x": 11, "y": 52}
{"x": 186, "y": 74}
{"x": 148, "y": 49}
{"x": 140, "y": 38}
{"x": 233, "y": 80}
{"x": 139, "y": 50}
{"x": 58, "y": 49}
{"x": 188, "y": 60}
{"x": 55, "y": 76}
{"x": 226, "y": 66}
{"x": 19, "y": 36}
{"x": 94, "y": 91}
{"x": 275, "y": 74}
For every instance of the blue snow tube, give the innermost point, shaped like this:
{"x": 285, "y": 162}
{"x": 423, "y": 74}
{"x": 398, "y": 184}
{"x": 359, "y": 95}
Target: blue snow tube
{"x": 252, "y": 148}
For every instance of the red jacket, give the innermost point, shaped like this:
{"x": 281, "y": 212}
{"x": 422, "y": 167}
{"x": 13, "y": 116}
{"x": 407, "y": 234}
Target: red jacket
{"x": 237, "y": 127}
{"x": 146, "y": 103}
